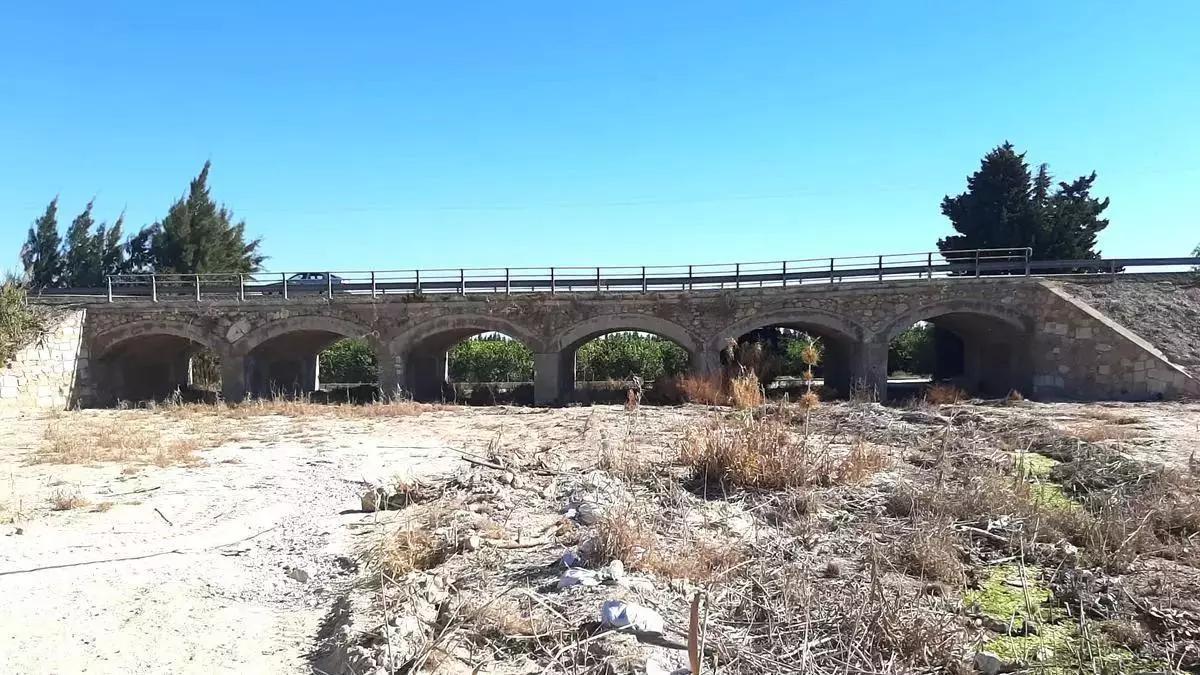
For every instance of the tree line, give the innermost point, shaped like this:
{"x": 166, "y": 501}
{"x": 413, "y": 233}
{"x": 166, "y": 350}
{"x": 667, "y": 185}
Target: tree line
{"x": 196, "y": 236}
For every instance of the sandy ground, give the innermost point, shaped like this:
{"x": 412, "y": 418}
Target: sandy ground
{"x": 185, "y": 569}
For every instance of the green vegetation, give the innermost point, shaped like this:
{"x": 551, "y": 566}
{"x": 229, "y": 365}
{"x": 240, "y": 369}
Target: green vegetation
{"x": 19, "y": 323}
{"x": 40, "y": 255}
{"x": 1007, "y": 206}
{"x": 90, "y": 256}
{"x": 349, "y": 361}
{"x": 913, "y": 351}
{"x": 1017, "y": 596}
{"x": 196, "y": 236}
{"x": 490, "y": 358}
{"x": 620, "y": 356}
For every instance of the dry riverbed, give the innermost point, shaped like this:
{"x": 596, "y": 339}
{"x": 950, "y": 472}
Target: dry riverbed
{"x": 202, "y": 539}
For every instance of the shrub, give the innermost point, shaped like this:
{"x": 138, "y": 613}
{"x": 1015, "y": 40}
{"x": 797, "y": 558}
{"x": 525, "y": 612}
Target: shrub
{"x": 942, "y": 394}
{"x": 913, "y": 351}
{"x": 754, "y": 453}
{"x": 349, "y": 361}
{"x": 20, "y": 324}
{"x": 704, "y": 389}
{"x": 746, "y": 392}
{"x": 620, "y": 356}
{"x": 491, "y": 358}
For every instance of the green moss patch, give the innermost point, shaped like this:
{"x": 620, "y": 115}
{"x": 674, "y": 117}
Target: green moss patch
{"x": 1008, "y": 597}
{"x": 1034, "y": 465}
{"x": 1058, "y": 648}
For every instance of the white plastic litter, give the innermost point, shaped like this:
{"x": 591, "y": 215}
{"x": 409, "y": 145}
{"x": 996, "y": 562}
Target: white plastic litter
{"x": 619, "y": 614}
{"x": 578, "y": 576}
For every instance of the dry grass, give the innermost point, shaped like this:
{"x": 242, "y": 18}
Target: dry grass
{"x": 944, "y": 394}
{"x": 704, "y": 389}
{"x": 746, "y": 392}
{"x": 302, "y": 407}
{"x": 753, "y": 453}
{"x": 134, "y": 438}
{"x": 409, "y": 550}
{"x": 763, "y": 453}
{"x": 506, "y": 619}
{"x": 1103, "y": 431}
{"x": 66, "y": 500}
{"x": 862, "y": 462}
{"x": 624, "y": 461}
{"x": 1115, "y": 417}
{"x": 622, "y": 535}
{"x": 177, "y": 452}
{"x": 930, "y": 551}
{"x": 697, "y": 561}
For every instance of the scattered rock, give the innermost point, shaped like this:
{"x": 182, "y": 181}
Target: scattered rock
{"x": 374, "y": 499}
{"x": 990, "y": 664}
{"x": 588, "y": 513}
{"x": 615, "y": 570}
{"x": 834, "y": 569}
{"x": 473, "y": 543}
{"x": 517, "y": 482}
{"x": 937, "y": 589}
{"x": 506, "y": 477}
{"x": 298, "y": 574}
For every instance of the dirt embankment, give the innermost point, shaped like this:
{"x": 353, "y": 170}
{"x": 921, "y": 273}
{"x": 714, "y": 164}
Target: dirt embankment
{"x": 1164, "y": 313}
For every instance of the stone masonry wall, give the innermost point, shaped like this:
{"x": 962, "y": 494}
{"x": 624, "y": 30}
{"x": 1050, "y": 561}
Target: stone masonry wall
{"x": 47, "y": 373}
{"x": 1064, "y": 347}
{"x": 1082, "y": 353}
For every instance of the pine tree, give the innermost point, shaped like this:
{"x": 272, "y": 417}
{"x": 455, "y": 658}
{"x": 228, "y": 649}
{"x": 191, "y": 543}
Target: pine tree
{"x": 1070, "y": 222}
{"x": 81, "y": 254}
{"x": 40, "y": 255}
{"x": 112, "y": 251}
{"x": 997, "y": 210}
{"x": 1007, "y": 207}
{"x": 196, "y": 236}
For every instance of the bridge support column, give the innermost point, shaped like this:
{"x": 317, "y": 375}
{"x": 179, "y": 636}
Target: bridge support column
{"x": 426, "y": 376}
{"x": 704, "y": 362}
{"x": 391, "y": 374}
{"x": 233, "y": 378}
{"x": 871, "y": 370}
{"x": 551, "y": 377}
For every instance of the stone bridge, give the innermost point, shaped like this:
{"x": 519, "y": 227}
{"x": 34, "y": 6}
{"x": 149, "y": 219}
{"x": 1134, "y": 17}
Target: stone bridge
{"x": 1023, "y": 333}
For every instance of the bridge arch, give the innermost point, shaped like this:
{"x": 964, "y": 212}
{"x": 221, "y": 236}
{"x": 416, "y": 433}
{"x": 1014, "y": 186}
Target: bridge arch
{"x": 283, "y": 355}
{"x": 842, "y": 339}
{"x": 330, "y": 325}
{"x": 983, "y": 348}
{"x": 568, "y": 343}
{"x": 150, "y": 359}
{"x": 420, "y": 351}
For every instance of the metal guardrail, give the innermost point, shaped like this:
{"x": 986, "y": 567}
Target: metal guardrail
{"x": 638, "y": 279}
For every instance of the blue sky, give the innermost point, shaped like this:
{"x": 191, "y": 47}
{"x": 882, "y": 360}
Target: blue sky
{"x": 391, "y": 135}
